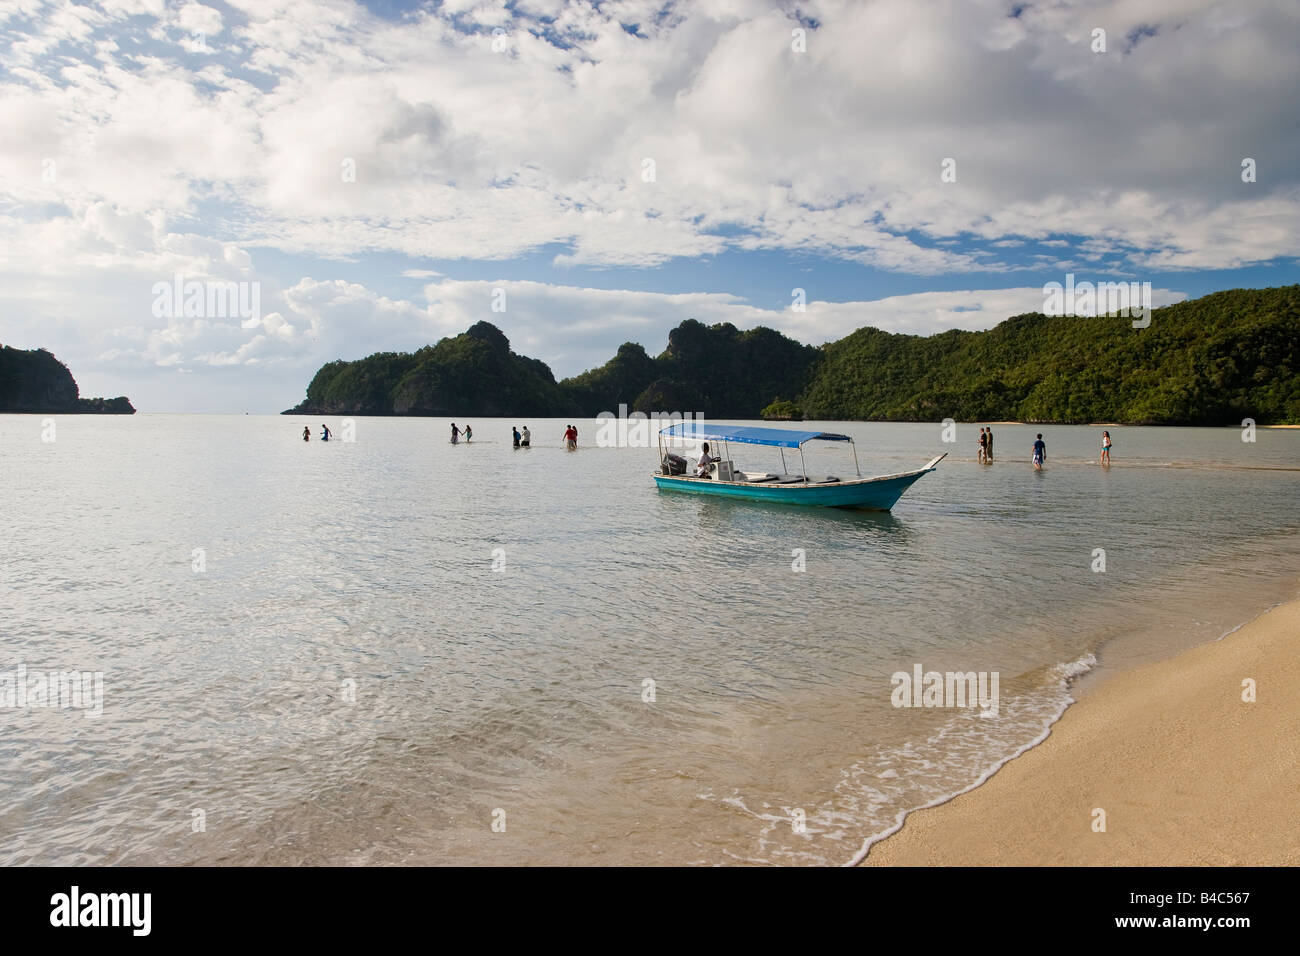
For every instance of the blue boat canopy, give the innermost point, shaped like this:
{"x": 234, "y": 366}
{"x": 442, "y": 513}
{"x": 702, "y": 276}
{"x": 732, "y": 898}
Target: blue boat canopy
{"x": 747, "y": 434}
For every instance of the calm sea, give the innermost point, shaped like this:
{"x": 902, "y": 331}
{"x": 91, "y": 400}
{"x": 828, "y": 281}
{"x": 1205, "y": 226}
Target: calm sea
{"x": 396, "y": 650}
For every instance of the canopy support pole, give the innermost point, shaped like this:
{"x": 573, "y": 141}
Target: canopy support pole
{"x": 785, "y": 469}
{"x": 854, "y": 446}
{"x": 802, "y": 467}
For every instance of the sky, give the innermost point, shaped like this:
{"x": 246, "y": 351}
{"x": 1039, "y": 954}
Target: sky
{"x": 376, "y": 176}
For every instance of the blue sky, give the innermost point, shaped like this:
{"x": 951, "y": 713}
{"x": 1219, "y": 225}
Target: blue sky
{"x": 384, "y": 173}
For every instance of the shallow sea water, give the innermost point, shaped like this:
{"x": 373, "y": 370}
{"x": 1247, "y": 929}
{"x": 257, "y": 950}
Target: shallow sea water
{"x": 306, "y": 647}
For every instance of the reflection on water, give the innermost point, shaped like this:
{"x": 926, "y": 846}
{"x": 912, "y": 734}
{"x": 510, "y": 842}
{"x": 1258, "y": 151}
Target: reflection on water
{"x": 646, "y": 677}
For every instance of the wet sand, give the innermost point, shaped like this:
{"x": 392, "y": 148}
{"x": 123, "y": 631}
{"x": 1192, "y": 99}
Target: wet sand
{"x": 1186, "y": 772}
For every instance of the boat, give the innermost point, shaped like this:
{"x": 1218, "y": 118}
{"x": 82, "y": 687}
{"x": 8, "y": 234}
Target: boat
{"x": 879, "y": 492}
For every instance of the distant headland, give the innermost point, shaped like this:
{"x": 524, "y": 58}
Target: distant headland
{"x": 35, "y": 382}
{"x": 1215, "y": 360}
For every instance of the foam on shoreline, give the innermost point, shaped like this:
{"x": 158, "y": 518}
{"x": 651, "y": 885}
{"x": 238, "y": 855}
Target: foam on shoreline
{"x": 1066, "y": 673}
{"x": 1187, "y": 772}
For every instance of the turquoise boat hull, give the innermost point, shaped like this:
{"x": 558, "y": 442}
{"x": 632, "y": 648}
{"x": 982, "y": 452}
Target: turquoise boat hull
{"x": 878, "y": 494}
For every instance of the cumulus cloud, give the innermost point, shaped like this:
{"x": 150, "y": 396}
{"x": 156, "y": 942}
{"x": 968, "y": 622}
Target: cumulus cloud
{"x": 460, "y": 149}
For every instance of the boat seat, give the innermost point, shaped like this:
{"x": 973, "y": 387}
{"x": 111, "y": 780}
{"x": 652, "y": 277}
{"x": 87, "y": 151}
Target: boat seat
{"x": 824, "y": 481}
{"x": 791, "y": 480}
{"x": 757, "y": 476}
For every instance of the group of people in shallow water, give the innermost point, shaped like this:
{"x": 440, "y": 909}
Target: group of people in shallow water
{"x": 1038, "y": 449}
{"x": 524, "y": 440}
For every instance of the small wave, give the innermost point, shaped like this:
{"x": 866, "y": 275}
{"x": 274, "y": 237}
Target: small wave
{"x": 1062, "y": 676}
{"x": 1233, "y": 630}
{"x": 1068, "y": 672}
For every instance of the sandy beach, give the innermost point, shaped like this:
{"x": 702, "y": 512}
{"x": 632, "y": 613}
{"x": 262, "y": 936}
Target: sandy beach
{"x": 1185, "y": 770}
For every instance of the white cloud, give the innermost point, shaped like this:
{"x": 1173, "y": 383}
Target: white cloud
{"x": 193, "y": 18}
{"x": 462, "y": 152}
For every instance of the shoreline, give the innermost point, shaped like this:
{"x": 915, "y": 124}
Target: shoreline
{"x": 1186, "y": 772}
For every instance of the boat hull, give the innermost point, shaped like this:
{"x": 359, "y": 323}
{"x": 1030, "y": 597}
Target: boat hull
{"x": 878, "y": 494}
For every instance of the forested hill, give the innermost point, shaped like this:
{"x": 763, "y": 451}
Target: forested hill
{"x": 474, "y": 373}
{"x": 714, "y": 369}
{"x": 34, "y": 381}
{"x": 717, "y": 370}
{"x": 1211, "y": 361}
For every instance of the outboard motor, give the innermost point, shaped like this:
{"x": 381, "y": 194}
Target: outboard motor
{"x": 674, "y": 464}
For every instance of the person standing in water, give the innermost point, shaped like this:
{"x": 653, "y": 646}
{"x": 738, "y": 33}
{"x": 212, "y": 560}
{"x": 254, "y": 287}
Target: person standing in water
{"x": 984, "y": 444}
{"x": 988, "y": 449}
{"x": 1040, "y": 452}
{"x": 527, "y": 437}
{"x": 469, "y": 433}
{"x": 455, "y": 433}
{"x": 515, "y": 433}
{"x": 325, "y": 433}
{"x": 306, "y": 433}
{"x": 571, "y": 438}
{"x": 1105, "y": 448}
